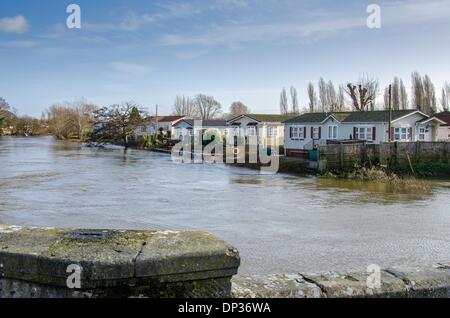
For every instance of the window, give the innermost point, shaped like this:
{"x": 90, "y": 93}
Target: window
{"x": 251, "y": 131}
{"x": 422, "y": 132}
{"x": 401, "y": 133}
{"x": 332, "y": 132}
{"x": 235, "y": 131}
{"x": 226, "y": 131}
{"x": 316, "y": 133}
{"x": 298, "y": 132}
{"x": 144, "y": 129}
{"x": 273, "y": 132}
{"x": 364, "y": 133}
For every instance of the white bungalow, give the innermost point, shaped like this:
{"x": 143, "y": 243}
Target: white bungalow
{"x": 162, "y": 124}
{"x": 307, "y": 131}
{"x": 269, "y": 129}
{"x": 209, "y": 128}
{"x": 444, "y": 129}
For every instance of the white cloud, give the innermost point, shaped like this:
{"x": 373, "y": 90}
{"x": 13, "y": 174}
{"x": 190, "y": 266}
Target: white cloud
{"x": 129, "y": 68}
{"x": 415, "y": 11}
{"x": 17, "y": 24}
{"x": 18, "y": 44}
{"x": 303, "y": 27}
{"x": 233, "y": 35}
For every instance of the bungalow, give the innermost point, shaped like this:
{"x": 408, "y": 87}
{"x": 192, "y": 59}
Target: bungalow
{"x": 307, "y": 131}
{"x": 191, "y": 127}
{"x": 269, "y": 129}
{"x": 444, "y": 129}
{"x": 162, "y": 124}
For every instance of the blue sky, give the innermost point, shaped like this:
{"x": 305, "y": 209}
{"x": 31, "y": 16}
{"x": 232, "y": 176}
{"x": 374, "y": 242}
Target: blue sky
{"x": 150, "y": 51}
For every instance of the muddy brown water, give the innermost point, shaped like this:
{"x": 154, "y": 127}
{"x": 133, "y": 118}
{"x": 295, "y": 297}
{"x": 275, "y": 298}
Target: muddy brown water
{"x": 279, "y": 223}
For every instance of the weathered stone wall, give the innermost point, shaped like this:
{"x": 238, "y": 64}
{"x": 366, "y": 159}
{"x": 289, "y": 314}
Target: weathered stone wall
{"x": 34, "y": 262}
{"x": 426, "y": 282}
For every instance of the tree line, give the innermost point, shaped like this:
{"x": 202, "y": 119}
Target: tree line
{"x": 205, "y": 107}
{"x": 362, "y": 95}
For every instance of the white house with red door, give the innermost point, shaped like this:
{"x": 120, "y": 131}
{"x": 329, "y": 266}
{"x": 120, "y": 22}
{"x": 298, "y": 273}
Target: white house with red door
{"x": 307, "y": 131}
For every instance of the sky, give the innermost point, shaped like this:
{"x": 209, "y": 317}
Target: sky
{"x": 235, "y": 50}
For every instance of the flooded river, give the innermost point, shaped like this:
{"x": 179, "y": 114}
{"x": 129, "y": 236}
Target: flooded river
{"x": 279, "y": 223}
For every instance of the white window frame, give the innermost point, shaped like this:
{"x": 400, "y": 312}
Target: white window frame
{"x": 399, "y": 135}
{"x": 298, "y": 132}
{"x": 315, "y": 133}
{"x": 272, "y": 132}
{"x": 333, "y": 132}
{"x": 421, "y": 134}
{"x": 251, "y": 131}
{"x": 365, "y": 131}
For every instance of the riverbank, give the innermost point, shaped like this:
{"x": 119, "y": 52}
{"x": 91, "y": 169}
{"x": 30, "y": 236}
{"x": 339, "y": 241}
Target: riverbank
{"x": 280, "y": 223}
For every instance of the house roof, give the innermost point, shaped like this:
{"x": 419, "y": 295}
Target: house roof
{"x": 163, "y": 119}
{"x": 207, "y": 123}
{"x": 268, "y": 118}
{"x": 352, "y": 117}
{"x": 445, "y": 117}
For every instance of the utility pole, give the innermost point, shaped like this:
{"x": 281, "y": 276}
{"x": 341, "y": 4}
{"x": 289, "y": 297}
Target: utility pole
{"x": 156, "y": 125}
{"x": 390, "y": 114}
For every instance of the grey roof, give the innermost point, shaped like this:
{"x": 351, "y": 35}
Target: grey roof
{"x": 352, "y": 117}
{"x": 271, "y": 118}
{"x": 207, "y": 123}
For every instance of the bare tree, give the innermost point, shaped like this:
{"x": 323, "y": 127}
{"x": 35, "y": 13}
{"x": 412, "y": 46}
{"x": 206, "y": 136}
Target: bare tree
{"x": 207, "y": 107}
{"x": 312, "y": 97}
{"x": 424, "y": 94}
{"x": 294, "y": 98}
{"x": 386, "y": 98}
{"x": 430, "y": 96}
{"x": 364, "y": 94}
{"x": 332, "y": 98}
{"x": 284, "y": 108}
{"x": 445, "y": 100}
{"x": 238, "y": 108}
{"x": 396, "y": 94}
{"x": 82, "y": 116}
{"x": 184, "y": 106}
{"x": 417, "y": 90}
{"x": 4, "y": 105}
{"x": 117, "y": 123}
{"x": 404, "y": 102}
{"x": 323, "y": 97}
{"x": 71, "y": 119}
{"x": 341, "y": 98}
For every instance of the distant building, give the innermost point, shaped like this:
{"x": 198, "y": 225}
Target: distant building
{"x": 306, "y": 132}
{"x": 444, "y": 129}
{"x": 209, "y": 128}
{"x": 160, "y": 124}
{"x": 269, "y": 129}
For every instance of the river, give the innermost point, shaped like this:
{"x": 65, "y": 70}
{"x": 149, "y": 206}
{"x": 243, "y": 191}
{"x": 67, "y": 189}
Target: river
{"x": 279, "y": 223}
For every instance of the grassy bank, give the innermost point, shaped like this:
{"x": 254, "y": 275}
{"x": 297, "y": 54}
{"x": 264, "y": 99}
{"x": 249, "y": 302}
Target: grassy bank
{"x": 382, "y": 175}
{"x": 434, "y": 170}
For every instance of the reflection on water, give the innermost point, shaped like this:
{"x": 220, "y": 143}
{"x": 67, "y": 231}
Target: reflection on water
{"x": 280, "y": 223}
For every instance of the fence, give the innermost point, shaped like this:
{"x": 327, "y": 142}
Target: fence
{"x": 416, "y": 152}
{"x": 345, "y": 156}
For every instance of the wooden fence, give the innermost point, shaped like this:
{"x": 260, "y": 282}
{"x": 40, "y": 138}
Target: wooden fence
{"x": 346, "y": 156}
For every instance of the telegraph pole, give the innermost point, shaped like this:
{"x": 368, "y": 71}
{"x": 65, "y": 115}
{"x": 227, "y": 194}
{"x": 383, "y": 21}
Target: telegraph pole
{"x": 390, "y": 114}
{"x": 156, "y": 119}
